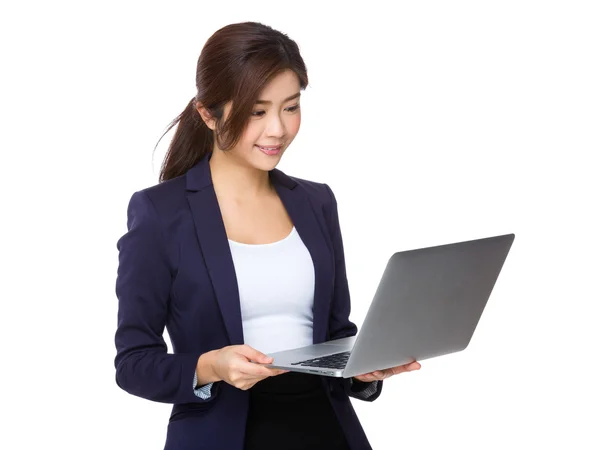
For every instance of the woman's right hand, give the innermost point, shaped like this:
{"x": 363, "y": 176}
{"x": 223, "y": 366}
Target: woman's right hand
{"x": 233, "y": 365}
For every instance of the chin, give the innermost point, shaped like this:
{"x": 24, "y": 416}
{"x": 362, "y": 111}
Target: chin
{"x": 267, "y": 166}
{"x": 265, "y": 162}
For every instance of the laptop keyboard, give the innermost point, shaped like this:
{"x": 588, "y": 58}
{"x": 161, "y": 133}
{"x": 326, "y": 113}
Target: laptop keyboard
{"x": 335, "y": 361}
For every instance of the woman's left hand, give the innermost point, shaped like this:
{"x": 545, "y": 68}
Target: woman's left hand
{"x": 386, "y": 373}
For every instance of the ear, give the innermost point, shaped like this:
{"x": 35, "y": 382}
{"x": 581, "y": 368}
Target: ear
{"x": 206, "y": 117}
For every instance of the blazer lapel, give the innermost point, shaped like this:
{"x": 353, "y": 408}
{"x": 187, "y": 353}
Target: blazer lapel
{"x": 212, "y": 237}
{"x": 309, "y": 222}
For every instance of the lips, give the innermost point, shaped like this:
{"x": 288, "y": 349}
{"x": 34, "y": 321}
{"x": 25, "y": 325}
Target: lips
{"x": 270, "y": 150}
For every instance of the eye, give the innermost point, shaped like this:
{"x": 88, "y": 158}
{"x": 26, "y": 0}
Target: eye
{"x": 261, "y": 113}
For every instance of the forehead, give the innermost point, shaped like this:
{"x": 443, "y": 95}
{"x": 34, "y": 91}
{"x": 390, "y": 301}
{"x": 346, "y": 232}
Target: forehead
{"x": 280, "y": 87}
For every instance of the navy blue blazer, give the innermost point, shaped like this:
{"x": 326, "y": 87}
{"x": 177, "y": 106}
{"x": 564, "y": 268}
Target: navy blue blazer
{"x": 176, "y": 271}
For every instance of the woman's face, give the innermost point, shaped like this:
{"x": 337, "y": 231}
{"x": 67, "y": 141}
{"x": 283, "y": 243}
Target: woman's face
{"x": 274, "y": 122}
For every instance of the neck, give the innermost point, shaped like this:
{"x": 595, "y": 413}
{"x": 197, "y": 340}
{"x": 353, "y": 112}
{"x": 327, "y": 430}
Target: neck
{"x": 234, "y": 179}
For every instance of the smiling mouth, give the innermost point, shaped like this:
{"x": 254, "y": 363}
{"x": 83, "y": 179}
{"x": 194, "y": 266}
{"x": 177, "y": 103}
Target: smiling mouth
{"x": 270, "y": 150}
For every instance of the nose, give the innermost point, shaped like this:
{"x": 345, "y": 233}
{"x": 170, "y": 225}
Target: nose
{"x": 275, "y": 127}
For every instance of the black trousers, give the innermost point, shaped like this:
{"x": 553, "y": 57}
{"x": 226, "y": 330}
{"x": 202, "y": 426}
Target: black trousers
{"x": 292, "y": 411}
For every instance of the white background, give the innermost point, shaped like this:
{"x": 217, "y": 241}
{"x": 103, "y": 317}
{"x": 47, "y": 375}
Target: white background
{"x": 432, "y": 121}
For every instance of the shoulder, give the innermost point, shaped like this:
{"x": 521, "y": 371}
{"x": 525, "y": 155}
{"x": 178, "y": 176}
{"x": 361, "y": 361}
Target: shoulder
{"x": 320, "y": 195}
{"x": 318, "y": 192}
{"x": 165, "y": 197}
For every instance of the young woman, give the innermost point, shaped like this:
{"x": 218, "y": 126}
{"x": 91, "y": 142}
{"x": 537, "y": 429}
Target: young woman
{"x": 237, "y": 259}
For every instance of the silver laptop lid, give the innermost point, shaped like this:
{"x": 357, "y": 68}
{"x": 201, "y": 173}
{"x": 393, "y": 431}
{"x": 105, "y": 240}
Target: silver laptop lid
{"x": 428, "y": 303}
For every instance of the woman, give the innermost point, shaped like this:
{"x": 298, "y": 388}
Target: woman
{"x": 237, "y": 259}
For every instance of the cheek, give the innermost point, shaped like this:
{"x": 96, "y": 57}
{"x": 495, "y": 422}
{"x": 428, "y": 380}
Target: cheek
{"x": 294, "y": 124}
{"x": 251, "y": 135}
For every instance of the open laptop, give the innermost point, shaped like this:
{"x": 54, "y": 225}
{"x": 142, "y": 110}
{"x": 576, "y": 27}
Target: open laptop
{"x": 428, "y": 304}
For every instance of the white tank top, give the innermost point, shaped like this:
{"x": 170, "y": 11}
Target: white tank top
{"x": 276, "y": 284}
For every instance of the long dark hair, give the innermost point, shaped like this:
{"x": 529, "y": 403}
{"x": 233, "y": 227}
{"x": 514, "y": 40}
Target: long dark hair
{"x": 235, "y": 64}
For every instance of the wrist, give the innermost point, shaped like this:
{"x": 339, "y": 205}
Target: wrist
{"x": 205, "y": 368}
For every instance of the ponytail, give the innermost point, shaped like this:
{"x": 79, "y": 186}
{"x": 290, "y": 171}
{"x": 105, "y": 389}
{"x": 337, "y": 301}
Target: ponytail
{"x": 191, "y": 142}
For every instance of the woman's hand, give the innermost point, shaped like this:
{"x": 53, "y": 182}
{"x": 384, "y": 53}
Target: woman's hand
{"x": 386, "y": 373}
{"x": 233, "y": 365}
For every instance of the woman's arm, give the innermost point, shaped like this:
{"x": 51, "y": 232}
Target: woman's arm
{"x": 143, "y": 366}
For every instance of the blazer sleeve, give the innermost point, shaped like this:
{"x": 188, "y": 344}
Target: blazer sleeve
{"x": 340, "y": 325}
{"x": 201, "y": 391}
{"x": 143, "y": 285}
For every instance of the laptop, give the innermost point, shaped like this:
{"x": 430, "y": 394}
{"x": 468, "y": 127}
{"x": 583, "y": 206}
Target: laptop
{"x": 427, "y": 304}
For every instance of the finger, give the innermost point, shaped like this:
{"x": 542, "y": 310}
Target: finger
{"x": 406, "y": 367}
{"x": 253, "y": 370}
{"x": 396, "y": 370}
{"x": 368, "y": 377}
{"x": 257, "y": 370}
{"x": 254, "y": 355}
{"x": 382, "y": 374}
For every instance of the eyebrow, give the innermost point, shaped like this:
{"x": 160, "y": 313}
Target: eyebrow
{"x": 268, "y": 102}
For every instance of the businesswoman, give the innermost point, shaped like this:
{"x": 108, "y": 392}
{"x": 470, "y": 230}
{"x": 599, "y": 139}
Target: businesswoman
{"x": 237, "y": 259}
